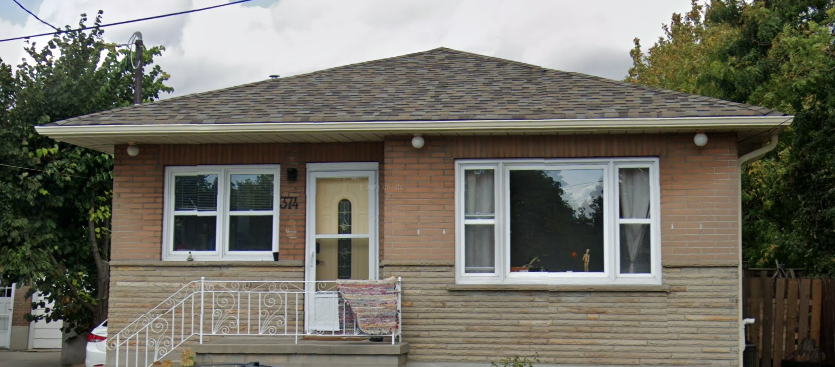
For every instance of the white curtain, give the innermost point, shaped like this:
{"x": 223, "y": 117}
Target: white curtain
{"x": 634, "y": 204}
{"x": 479, "y": 204}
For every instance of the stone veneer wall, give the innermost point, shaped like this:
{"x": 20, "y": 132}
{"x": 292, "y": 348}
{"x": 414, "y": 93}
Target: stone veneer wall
{"x": 691, "y": 320}
{"x": 137, "y": 287}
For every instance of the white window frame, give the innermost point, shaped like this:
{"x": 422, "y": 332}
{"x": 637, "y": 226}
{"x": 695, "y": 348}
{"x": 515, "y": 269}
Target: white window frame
{"x": 222, "y": 213}
{"x": 612, "y": 220}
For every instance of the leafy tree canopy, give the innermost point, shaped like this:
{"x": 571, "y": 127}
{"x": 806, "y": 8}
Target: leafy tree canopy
{"x": 781, "y": 55}
{"x": 55, "y": 198}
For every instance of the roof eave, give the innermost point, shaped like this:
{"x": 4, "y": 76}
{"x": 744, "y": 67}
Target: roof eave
{"x": 103, "y": 137}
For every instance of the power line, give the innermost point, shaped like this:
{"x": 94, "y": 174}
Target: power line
{"x": 769, "y": 131}
{"x": 124, "y": 22}
{"x": 40, "y": 170}
{"x": 36, "y": 17}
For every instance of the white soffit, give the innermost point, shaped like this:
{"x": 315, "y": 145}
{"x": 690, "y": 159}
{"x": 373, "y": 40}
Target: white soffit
{"x": 104, "y": 137}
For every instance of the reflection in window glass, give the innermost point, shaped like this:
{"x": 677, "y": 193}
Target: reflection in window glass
{"x": 556, "y": 217}
{"x": 251, "y": 192}
{"x": 250, "y": 233}
{"x": 194, "y": 233}
{"x": 198, "y": 192}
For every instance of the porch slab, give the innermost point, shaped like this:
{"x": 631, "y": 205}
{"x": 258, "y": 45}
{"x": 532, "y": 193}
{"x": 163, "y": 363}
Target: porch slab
{"x": 307, "y": 353}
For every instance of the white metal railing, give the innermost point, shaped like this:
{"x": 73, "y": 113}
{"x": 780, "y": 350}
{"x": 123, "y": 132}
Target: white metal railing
{"x": 247, "y": 308}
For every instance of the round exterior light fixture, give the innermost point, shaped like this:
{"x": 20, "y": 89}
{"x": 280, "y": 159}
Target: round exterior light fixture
{"x": 700, "y": 139}
{"x": 417, "y": 142}
{"x": 133, "y": 150}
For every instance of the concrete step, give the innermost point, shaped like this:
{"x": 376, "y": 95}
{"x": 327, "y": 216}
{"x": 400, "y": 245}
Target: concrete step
{"x": 284, "y": 352}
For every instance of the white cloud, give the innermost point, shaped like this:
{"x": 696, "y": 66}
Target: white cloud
{"x": 237, "y": 44}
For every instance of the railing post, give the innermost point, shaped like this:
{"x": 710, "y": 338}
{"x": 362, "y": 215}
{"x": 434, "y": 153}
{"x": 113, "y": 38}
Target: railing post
{"x": 202, "y": 279}
{"x": 399, "y": 311}
{"x": 117, "y": 350}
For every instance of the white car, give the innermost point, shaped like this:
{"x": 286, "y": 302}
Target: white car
{"x": 96, "y": 346}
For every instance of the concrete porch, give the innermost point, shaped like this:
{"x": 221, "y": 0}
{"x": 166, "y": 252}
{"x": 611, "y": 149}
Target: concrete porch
{"x": 284, "y": 352}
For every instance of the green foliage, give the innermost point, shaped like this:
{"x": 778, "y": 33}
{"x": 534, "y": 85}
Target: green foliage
{"x": 515, "y": 361}
{"x": 781, "y": 55}
{"x": 55, "y": 198}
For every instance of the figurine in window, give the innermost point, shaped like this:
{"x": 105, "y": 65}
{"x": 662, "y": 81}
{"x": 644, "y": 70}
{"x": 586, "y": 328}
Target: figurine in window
{"x": 586, "y": 261}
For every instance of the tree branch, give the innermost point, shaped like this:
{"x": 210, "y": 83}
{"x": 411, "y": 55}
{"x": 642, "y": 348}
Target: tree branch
{"x": 94, "y": 244}
{"x": 72, "y": 288}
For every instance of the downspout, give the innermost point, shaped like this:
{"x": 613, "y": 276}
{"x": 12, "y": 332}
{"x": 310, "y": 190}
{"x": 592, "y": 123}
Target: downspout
{"x": 745, "y": 159}
{"x": 750, "y": 157}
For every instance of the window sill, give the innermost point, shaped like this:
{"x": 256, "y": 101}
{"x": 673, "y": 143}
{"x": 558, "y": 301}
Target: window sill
{"x": 561, "y": 288}
{"x": 214, "y": 263}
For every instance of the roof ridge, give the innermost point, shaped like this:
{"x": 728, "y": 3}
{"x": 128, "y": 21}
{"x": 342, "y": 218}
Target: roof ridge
{"x": 300, "y": 97}
{"x": 202, "y": 94}
{"x": 750, "y": 107}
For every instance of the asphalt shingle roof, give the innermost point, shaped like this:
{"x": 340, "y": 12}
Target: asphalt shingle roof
{"x": 439, "y": 84}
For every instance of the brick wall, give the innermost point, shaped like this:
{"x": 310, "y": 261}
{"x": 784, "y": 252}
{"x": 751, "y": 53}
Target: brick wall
{"x": 22, "y": 306}
{"x": 694, "y": 323}
{"x": 138, "y": 187}
{"x": 698, "y": 189}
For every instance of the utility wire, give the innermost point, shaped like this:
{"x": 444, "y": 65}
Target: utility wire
{"x": 124, "y": 22}
{"x": 769, "y": 131}
{"x": 36, "y": 17}
{"x": 40, "y": 170}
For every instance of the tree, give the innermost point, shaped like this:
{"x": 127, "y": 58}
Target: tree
{"x": 781, "y": 55}
{"x": 55, "y": 198}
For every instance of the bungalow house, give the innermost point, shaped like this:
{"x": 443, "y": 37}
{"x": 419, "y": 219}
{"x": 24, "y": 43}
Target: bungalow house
{"x": 521, "y": 211}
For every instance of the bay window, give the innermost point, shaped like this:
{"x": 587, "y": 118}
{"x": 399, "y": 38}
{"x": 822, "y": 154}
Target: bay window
{"x": 221, "y": 212}
{"x": 581, "y": 221}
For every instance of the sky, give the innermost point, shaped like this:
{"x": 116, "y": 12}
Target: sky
{"x": 247, "y": 42}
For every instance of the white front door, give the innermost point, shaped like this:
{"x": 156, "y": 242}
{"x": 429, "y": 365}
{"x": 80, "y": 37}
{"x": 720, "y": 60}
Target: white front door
{"x": 341, "y": 235}
{"x": 6, "y": 309}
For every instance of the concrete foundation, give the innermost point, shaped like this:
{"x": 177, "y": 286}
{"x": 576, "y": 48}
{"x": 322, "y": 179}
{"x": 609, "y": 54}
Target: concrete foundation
{"x": 19, "y": 338}
{"x": 284, "y": 352}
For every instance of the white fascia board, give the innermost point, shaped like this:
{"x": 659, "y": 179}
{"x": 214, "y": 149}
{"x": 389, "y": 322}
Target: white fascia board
{"x": 422, "y": 127}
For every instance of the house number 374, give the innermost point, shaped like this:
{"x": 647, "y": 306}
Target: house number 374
{"x": 289, "y": 202}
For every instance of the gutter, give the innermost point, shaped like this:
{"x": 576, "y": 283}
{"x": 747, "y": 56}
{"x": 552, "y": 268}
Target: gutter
{"x": 745, "y": 159}
{"x": 239, "y": 127}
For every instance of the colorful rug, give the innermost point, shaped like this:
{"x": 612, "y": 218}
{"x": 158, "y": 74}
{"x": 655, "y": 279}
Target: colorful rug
{"x": 373, "y": 302}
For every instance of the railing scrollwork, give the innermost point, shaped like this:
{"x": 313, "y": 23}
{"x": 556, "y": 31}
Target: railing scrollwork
{"x": 210, "y": 308}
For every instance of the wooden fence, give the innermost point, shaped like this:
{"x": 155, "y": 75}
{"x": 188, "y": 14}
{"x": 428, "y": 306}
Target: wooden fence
{"x": 786, "y": 312}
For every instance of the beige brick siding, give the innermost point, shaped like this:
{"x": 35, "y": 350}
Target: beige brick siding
{"x": 694, "y": 324}
{"x": 698, "y": 189}
{"x": 138, "y": 187}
